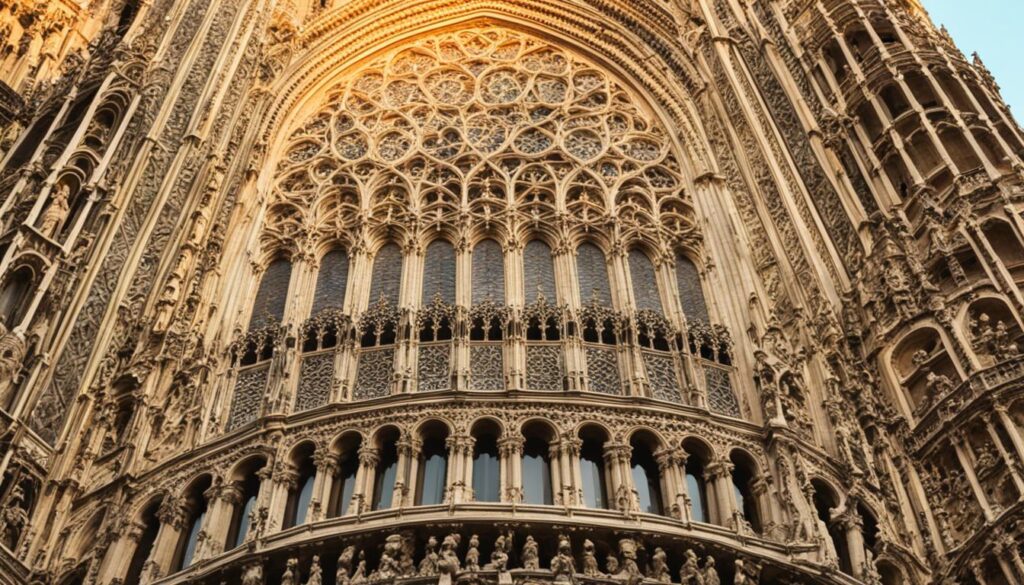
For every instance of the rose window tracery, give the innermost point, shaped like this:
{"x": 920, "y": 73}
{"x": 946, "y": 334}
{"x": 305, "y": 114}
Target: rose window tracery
{"x": 477, "y": 127}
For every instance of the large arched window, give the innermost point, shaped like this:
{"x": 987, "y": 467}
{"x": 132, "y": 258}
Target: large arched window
{"x": 488, "y": 272}
{"x": 691, "y": 293}
{"x": 486, "y": 462}
{"x": 744, "y": 475}
{"x": 592, "y": 274}
{"x": 538, "y": 272}
{"x": 195, "y": 514}
{"x": 387, "y": 468}
{"x": 331, "y": 281}
{"x": 15, "y": 296}
{"x": 144, "y": 547}
{"x": 431, "y": 482}
{"x": 645, "y": 282}
{"x": 645, "y": 472}
{"x": 592, "y": 467}
{"x": 696, "y": 484}
{"x": 387, "y": 274}
{"x": 537, "y": 464}
{"x": 272, "y": 294}
{"x": 248, "y": 484}
{"x": 825, "y": 500}
{"x": 439, "y": 273}
{"x": 344, "y": 484}
{"x": 301, "y": 494}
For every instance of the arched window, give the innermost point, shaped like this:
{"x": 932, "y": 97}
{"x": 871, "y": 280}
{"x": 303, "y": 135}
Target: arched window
{"x": 299, "y": 496}
{"x": 195, "y": 509}
{"x": 645, "y": 282}
{"x": 331, "y": 281}
{"x": 15, "y": 296}
{"x": 592, "y": 274}
{"x": 439, "y": 273}
{"x": 744, "y": 473}
{"x": 272, "y": 294}
{"x": 537, "y": 465}
{"x": 344, "y": 484}
{"x": 433, "y": 466}
{"x": 387, "y": 274}
{"x": 387, "y": 469}
{"x": 696, "y": 485}
{"x": 488, "y": 272}
{"x": 538, "y": 272}
{"x": 486, "y": 470}
{"x": 150, "y": 528}
{"x": 691, "y": 293}
{"x": 825, "y": 500}
{"x": 645, "y": 472}
{"x": 592, "y": 467}
{"x": 248, "y": 483}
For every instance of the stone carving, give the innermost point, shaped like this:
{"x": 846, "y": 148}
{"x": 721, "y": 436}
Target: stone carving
{"x": 590, "y": 567}
{"x": 56, "y": 212}
{"x": 291, "y": 573}
{"x": 14, "y": 521}
{"x": 563, "y": 566}
{"x": 529, "y": 556}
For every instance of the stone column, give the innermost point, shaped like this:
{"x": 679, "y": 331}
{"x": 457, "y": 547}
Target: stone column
{"x": 326, "y": 468}
{"x": 172, "y": 516}
{"x": 119, "y": 556}
{"x": 853, "y": 526}
{"x": 284, "y": 480}
{"x": 468, "y": 493}
{"x": 960, "y": 445}
{"x": 555, "y": 464}
{"x": 223, "y": 500}
{"x": 510, "y": 451}
{"x": 407, "y": 472}
{"x": 718, "y": 474}
{"x": 1011, "y": 430}
{"x": 669, "y": 482}
{"x": 1005, "y": 548}
{"x": 460, "y": 449}
{"x": 362, "y": 493}
{"x": 616, "y": 456}
{"x": 1011, "y": 465}
{"x": 571, "y": 475}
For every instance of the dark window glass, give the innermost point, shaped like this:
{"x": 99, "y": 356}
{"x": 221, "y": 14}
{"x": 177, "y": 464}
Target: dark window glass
{"x": 439, "y": 272}
{"x": 144, "y": 547}
{"x": 745, "y": 501}
{"x": 243, "y": 526}
{"x": 592, "y": 272}
{"x": 696, "y": 490}
{"x": 384, "y": 478}
{"x": 488, "y": 272}
{"x": 536, "y": 473}
{"x": 305, "y": 495}
{"x": 433, "y": 472}
{"x": 272, "y": 294}
{"x": 344, "y": 485}
{"x": 645, "y": 283}
{"x": 193, "y": 539}
{"x": 331, "y": 281}
{"x": 690, "y": 292}
{"x": 646, "y": 480}
{"x": 539, "y": 272}
{"x": 485, "y": 470}
{"x": 592, "y": 470}
{"x": 387, "y": 274}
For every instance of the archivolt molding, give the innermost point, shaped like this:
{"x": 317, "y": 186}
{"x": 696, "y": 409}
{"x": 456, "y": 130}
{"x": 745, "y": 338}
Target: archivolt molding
{"x": 484, "y": 128}
{"x": 635, "y": 51}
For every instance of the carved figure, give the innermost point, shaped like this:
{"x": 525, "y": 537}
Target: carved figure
{"x": 690, "y": 573}
{"x": 658, "y": 570}
{"x": 252, "y": 574}
{"x": 473, "y": 554}
{"x": 590, "y": 567}
{"x": 55, "y": 214}
{"x": 563, "y": 566}
{"x": 345, "y": 559}
{"x": 13, "y": 519}
{"x": 710, "y": 573}
{"x": 530, "y": 555}
{"x": 291, "y": 573}
{"x": 315, "y": 572}
{"x": 428, "y": 566}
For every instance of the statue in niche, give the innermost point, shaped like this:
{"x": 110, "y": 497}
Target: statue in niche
{"x": 56, "y": 212}
{"x": 252, "y": 574}
{"x": 428, "y": 566}
{"x": 530, "y": 555}
{"x": 359, "y": 575}
{"x": 563, "y": 566}
{"x": 499, "y": 557}
{"x": 473, "y": 554}
{"x": 590, "y": 567}
{"x": 290, "y": 576}
{"x": 12, "y": 352}
{"x": 341, "y": 577}
{"x": 13, "y": 519}
{"x": 710, "y": 572}
{"x": 315, "y": 572}
{"x": 658, "y": 570}
{"x": 689, "y": 573}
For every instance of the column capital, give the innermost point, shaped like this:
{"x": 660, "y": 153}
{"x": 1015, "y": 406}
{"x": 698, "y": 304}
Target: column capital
{"x": 512, "y": 445}
{"x": 325, "y": 461}
{"x": 369, "y": 456}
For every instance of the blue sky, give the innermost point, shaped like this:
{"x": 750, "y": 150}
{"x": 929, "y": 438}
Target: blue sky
{"x": 993, "y": 29}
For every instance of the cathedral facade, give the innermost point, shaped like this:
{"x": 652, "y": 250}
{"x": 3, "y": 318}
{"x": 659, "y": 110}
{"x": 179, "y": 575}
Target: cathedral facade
{"x": 495, "y": 292}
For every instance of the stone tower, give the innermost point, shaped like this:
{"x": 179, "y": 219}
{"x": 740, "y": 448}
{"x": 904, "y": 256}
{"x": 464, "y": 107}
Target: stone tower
{"x": 506, "y": 291}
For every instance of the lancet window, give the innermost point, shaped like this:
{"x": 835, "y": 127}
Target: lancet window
{"x": 601, "y": 325}
{"x": 378, "y": 326}
{"x": 544, "y": 320}
{"x": 436, "y": 318}
{"x": 489, "y": 317}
